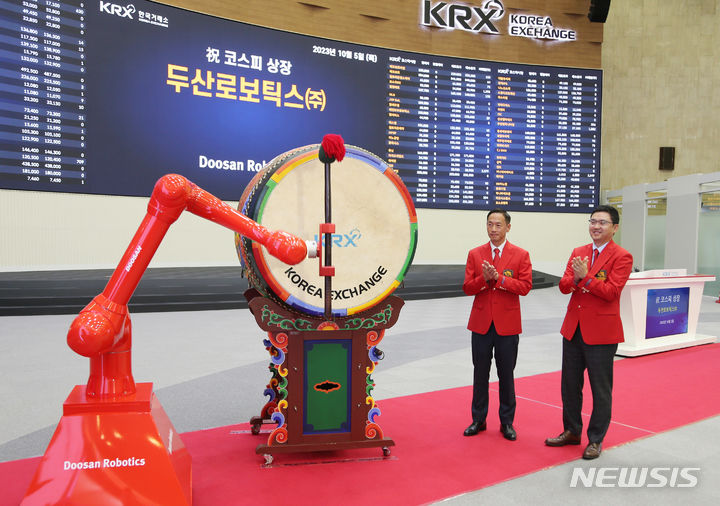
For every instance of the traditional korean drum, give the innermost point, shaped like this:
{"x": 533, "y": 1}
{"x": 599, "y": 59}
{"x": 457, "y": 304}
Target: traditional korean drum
{"x": 375, "y": 229}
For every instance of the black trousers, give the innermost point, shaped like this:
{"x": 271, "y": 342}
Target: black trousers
{"x": 598, "y": 360}
{"x": 506, "y": 350}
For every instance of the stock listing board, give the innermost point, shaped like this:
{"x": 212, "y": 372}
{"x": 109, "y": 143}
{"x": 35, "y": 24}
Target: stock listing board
{"x": 105, "y": 98}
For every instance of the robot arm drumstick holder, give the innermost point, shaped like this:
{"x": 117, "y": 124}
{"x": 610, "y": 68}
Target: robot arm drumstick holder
{"x": 115, "y": 443}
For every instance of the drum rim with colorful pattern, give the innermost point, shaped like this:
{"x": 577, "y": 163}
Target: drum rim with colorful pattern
{"x": 252, "y": 205}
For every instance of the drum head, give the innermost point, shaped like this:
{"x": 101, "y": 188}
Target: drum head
{"x": 375, "y": 229}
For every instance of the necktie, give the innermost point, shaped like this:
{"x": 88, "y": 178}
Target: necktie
{"x": 595, "y": 255}
{"x": 496, "y": 257}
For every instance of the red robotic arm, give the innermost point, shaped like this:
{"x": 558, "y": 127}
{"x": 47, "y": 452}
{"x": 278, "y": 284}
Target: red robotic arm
{"x": 102, "y": 330}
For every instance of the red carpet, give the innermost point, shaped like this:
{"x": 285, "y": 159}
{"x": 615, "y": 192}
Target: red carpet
{"x": 432, "y": 459}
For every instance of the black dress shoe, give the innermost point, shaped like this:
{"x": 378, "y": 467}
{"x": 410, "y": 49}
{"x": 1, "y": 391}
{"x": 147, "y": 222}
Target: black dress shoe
{"x": 566, "y": 438}
{"x": 508, "y": 431}
{"x": 474, "y": 428}
{"x": 592, "y": 451}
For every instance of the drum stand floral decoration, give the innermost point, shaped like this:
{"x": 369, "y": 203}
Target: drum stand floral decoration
{"x": 343, "y": 404}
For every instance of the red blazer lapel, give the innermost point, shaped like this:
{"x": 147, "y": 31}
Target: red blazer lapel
{"x": 486, "y": 252}
{"x": 507, "y": 254}
{"x": 605, "y": 255}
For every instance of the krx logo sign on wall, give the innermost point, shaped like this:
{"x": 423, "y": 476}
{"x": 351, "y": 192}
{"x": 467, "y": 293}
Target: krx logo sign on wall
{"x": 463, "y": 17}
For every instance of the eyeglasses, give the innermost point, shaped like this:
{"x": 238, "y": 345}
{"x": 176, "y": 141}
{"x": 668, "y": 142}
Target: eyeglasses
{"x": 603, "y": 223}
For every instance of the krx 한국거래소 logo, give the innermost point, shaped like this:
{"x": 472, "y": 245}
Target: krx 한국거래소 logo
{"x": 464, "y": 17}
{"x": 123, "y": 11}
{"x": 130, "y": 12}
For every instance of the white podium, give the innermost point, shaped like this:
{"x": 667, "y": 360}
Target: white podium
{"x": 660, "y": 310}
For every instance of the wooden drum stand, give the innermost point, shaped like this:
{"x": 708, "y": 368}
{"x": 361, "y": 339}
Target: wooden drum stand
{"x": 321, "y": 387}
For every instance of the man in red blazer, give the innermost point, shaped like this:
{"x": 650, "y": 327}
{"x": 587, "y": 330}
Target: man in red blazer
{"x": 595, "y": 275}
{"x": 496, "y": 273}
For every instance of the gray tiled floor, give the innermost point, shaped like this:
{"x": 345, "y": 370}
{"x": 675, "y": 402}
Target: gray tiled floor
{"x": 203, "y": 362}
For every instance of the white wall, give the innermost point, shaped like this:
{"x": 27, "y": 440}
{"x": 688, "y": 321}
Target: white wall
{"x": 51, "y": 231}
{"x": 446, "y": 236}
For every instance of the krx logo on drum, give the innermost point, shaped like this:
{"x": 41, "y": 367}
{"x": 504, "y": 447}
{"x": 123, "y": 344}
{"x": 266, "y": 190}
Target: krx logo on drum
{"x": 343, "y": 240}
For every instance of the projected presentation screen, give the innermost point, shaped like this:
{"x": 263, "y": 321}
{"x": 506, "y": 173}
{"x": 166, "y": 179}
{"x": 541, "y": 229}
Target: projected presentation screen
{"x": 105, "y": 98}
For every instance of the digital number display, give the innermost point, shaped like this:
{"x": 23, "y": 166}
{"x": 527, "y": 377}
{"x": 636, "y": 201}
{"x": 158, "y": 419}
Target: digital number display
{"x": 105, "y": 98}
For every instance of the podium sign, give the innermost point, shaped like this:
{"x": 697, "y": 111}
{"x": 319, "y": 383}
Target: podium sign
{"x": 667, "y": 312}
{"x": 660, "y": 311}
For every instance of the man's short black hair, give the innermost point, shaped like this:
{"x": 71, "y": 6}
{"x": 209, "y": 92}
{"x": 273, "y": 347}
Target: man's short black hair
{"x": 500, "y": 211}
{"x": 614, "y": 215}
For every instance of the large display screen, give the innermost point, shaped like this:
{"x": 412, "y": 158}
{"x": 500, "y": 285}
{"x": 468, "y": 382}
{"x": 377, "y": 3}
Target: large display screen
{"x": 105, "y": 98}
